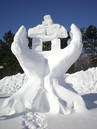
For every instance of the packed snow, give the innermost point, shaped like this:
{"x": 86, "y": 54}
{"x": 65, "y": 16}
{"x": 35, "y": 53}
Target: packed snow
{"x": 84, "y": 81}
{"x": 48, "y": 31}
{"x": 44, "y": 90}
{"x": 9, "y": 85}
{"x": 45, "y": 94}
{"x": 85, "y": 84}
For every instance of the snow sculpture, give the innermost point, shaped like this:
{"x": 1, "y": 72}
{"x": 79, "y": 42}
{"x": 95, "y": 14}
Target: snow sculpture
{"x": 44, "y": 90}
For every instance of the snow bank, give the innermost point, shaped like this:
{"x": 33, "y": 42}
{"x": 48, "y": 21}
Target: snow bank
{"x": 34, "y": 121}
{"x": 84, "y": 81}
{"x": 10, "y": 84}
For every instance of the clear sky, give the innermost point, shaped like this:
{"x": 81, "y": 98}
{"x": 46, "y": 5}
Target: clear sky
{"x": 14, "y": 13}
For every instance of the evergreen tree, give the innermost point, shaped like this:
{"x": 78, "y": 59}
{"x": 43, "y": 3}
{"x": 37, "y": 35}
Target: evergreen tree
{"x": 90, "y": 40}
{"x": 8, "y": 62}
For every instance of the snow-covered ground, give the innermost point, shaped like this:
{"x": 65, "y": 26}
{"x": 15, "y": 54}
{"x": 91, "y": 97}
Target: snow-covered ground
{"x": 84, "y": 82}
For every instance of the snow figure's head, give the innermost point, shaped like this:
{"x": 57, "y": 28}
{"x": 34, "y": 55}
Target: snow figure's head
{"x": 47, "y": 20}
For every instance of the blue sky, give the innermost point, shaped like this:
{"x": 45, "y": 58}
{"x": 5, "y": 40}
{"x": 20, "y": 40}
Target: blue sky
{"x": 14, "y": 13}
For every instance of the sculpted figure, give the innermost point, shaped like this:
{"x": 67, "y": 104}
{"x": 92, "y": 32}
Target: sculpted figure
{"x": 45, "y": 89}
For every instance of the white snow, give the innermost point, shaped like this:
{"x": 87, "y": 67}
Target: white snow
{"x": 10, "y": 84}
{"x": 84, "y": 84}
{"x": 73, "y": 121}
{"x": 47, "y": 30}
{"x": 43, "y": 89}
{"x": 84, "y": 81}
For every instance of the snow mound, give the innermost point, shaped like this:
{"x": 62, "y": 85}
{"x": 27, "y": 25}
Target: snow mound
{"x": 83, "y": 82}
{"x": 11, "y": 84}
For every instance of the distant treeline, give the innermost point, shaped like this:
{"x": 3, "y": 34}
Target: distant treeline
{"x": 10, "y": 66}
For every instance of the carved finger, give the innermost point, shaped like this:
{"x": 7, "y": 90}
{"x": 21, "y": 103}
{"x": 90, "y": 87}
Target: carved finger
{"x": 75, "y": 33}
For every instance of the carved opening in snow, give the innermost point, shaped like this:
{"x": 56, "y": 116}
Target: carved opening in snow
{"x": 48, "y": 33}
{"x": 46, "y": 46}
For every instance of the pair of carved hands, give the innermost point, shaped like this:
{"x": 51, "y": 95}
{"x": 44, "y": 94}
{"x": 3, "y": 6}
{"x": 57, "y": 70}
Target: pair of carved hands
{"x": 32, "y": 61}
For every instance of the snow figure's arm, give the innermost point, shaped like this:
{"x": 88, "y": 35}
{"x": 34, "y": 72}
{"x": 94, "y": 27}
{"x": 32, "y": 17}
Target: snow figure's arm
{"x": 31, "y": 61}
{"x": 62, "y": 59}
{"x": 20, "y": 43}
{"x": 59, "y": 62}
{"x": 20, "y": 48}
{"x": 74, "y": 102}
{"x": 35, "y": 67}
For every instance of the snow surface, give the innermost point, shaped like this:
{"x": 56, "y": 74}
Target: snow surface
{"x": 9, "y": 85}
{"x": 84, "y": 84}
